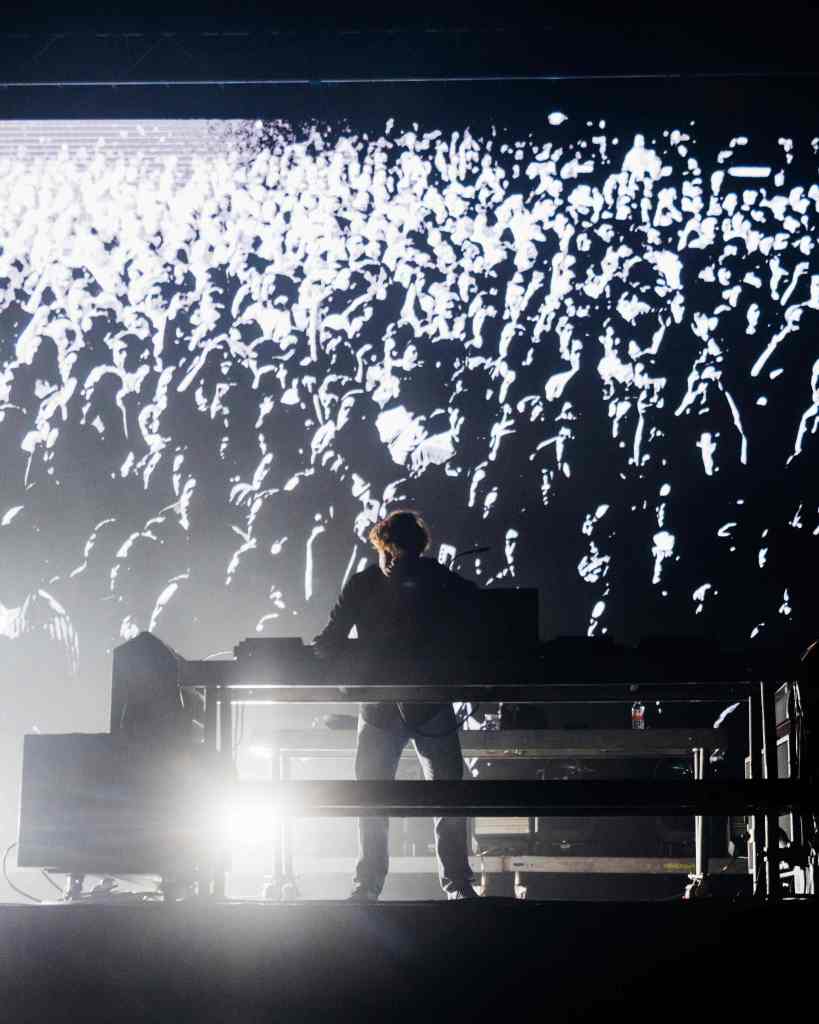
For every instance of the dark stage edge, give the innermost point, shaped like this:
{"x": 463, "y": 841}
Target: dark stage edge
{"x": 487, "y": 959}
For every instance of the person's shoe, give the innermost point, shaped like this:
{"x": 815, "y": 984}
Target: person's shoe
{"x": 464, "y": 893}
{"x": 361, "y": 894}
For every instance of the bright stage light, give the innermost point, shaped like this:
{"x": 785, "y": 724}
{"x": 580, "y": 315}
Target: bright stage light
{"x": 261, "y": 752}
{"x": 249, "y": 824}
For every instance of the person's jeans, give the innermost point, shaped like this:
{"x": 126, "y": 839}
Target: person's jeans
{"x": 378, "y": 752}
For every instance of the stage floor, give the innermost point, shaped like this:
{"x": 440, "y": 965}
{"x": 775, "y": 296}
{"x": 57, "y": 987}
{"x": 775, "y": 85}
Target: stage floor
{"x": 487, "y": 959}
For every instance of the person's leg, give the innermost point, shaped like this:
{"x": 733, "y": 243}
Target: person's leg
{"x": 439, "y": 751}
{"x": 377, "y": 754}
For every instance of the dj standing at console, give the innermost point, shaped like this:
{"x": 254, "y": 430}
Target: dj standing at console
{"x": 407, "y": 605}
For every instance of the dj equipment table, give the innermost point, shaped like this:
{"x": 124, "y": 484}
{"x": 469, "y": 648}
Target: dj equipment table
{"x": 538, "y": 744}
{"x": 287, "y": 672}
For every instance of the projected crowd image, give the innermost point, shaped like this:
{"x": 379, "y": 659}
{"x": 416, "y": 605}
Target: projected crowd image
{"x": 591, "y": 348}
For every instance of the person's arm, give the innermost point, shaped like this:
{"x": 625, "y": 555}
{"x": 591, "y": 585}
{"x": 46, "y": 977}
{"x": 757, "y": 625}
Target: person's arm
{"x": 342, "y": 619}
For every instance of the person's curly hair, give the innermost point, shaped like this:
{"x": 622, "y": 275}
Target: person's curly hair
{"x": 403, "y": 530}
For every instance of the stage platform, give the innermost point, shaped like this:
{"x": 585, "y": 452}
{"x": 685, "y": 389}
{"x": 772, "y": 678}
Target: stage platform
{"x": 487, "y": 959}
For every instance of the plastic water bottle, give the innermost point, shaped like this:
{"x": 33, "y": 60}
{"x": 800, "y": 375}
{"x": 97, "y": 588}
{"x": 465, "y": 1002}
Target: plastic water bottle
{"x": 638, "y": 715}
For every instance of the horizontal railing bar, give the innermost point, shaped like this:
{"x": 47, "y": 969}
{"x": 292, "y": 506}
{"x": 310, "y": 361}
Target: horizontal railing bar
{"x": 510, "y": 743}
{"x": 356, "y": 669}
{"x": 534, "y": 693}
{"x": 491, "y": 864}
{"x": 532, "y": 681}
{"x": 519, "y": 694}
{"x": 508, "y": 798}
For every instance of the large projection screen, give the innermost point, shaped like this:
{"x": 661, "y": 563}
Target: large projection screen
{"x": 573, "y": 325}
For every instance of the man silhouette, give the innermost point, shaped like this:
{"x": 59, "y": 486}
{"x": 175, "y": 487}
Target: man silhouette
{"x": 406, "y": 605}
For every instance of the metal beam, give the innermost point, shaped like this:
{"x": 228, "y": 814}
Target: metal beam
{"x": 525, "y": 681}
{"x": 262, "y": 52}
{"x": 531, "y": 864}
{"x": 522, "y": 693}
{"x": 510, "y": 798}
{"x": 517, "y": 743}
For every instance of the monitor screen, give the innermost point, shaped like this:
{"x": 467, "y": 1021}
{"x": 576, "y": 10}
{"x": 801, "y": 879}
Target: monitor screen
{"x": 573, "y": 325}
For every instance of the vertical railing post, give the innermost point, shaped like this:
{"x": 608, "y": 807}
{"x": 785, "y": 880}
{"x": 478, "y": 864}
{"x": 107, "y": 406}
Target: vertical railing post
{"x": 767, "y": 707}
{"x": 225, "y": 735}
{"x": 288, "y": 882}
{"x": 756, "y": 843}
{"x": 700, "y": 825}
{"x": 796, "y": 816}
{"x": 225, "y": 724}
{"x": 210, "y": 737}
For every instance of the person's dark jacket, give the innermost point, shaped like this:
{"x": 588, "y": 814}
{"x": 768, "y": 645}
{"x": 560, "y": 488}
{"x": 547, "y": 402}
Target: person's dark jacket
{"x": 421, "y": 610}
